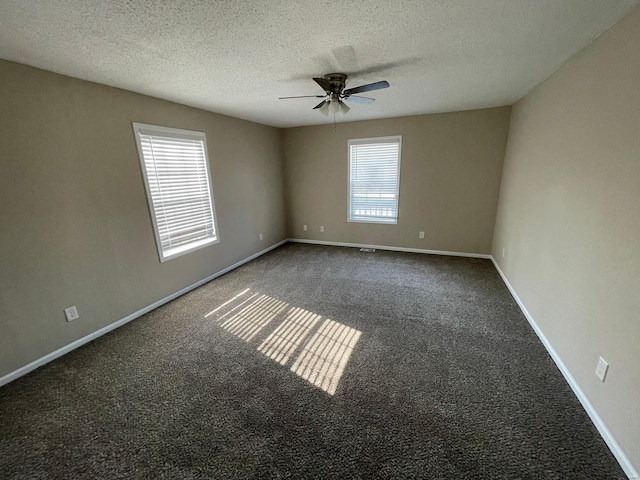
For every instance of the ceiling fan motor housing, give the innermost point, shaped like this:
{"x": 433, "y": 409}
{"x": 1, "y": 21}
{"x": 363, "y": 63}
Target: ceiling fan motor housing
{"x": 337, "y": 82}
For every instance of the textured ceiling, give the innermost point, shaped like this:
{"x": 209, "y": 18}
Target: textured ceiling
{"x": 237, "y": 57}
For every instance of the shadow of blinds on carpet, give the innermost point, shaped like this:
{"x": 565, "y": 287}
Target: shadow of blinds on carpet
{"x": 321, "y": 360}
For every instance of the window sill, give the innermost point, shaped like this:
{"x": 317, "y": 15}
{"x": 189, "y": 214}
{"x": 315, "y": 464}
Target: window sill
{"x": 183, "y": 249}
{"x": 378, "y": 222}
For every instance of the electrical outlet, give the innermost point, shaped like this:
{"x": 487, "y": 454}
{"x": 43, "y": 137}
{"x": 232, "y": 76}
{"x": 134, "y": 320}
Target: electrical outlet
{"x": 601, "y": 369}
{"x": 503, "y": 252}
{"x": 421, "y": 235}
{"x": 322, "y": 228}
{"x": 304, "y": 227}
{"x": 71, "y": 313}
{"x": 260, "y": 236}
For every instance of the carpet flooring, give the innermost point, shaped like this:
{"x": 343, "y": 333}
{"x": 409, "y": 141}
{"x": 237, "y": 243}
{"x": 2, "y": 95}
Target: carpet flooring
{"x": 311, "y": 362}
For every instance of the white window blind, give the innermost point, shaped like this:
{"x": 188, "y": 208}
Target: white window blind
{"x": 174, "y": 164}
{"x": 374, "y": 171}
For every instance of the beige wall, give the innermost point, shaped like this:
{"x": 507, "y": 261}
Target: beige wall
{"x": 449, "y": 180}
{"x": 569, "y": 219}
{"x": 75, "y": 225}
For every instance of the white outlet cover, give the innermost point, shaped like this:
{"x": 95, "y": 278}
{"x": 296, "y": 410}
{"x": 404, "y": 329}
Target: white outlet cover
{"x": 421, "y": 235}
{"x": 601, "y": 369}
{"x": 71, "y": 313}
{"x": 322, "y": 228}
{"x": 260, "y": 236}
{"x": 304, "y": 227}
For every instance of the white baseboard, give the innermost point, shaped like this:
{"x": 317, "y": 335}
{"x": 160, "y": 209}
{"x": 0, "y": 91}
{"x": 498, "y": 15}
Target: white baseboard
{"x": 98, "y": 333}
{"x": 615, "y": 448}
{"x": 395, "y": 249}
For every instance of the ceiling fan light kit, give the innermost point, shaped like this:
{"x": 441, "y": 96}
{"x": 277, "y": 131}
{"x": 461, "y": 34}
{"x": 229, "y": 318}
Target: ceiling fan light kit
{"x": 336, "y": 94}
{"x": 334, "y": 106}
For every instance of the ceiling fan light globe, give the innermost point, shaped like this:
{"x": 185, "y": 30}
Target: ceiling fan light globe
{"x": 334, "y": 106}
{"x": 324, "y": 109}
{"x": 344, "y": 108}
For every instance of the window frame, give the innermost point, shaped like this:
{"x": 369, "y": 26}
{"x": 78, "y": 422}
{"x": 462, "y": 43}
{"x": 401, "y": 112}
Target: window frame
{"x": 368, "y": 141}
{"x": 186, "y": 135}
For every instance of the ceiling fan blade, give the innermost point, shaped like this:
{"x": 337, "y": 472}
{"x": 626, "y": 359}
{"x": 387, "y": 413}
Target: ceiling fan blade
{"x": 303, "y": 96}
{"x": 368, "y": 87}
{"x": 320, "y": 104}
{"x": 324, "y": 84}
{"x": 359, "y": 99}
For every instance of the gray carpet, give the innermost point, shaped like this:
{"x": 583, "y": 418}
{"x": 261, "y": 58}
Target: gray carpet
{"x": 311, "y": 362}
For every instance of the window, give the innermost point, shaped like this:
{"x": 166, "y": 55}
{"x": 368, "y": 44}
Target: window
{"x": 175, "y": 169}
{"x": 374, "y": 179}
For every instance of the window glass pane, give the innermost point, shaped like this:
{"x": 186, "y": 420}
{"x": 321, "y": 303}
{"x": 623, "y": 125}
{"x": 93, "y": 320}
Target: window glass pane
{"x": 177, "y": 180}
{"x": 374, "y": 167}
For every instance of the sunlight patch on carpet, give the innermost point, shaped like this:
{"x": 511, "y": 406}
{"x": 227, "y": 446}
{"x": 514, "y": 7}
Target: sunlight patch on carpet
{"x": 321, "y": 361}
{"x": 289, "y": 335}
{"x": 255, "y": 315}
{"x": 324, "y": 358}
{"x": 226, "y": 303}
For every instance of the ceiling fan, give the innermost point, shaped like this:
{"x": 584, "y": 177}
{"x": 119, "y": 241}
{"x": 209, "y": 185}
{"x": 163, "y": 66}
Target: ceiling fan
{"x": 333, "y": 85}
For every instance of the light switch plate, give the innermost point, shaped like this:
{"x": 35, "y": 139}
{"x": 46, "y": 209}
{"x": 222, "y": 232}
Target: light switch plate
{"x": 601, "y": 369}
